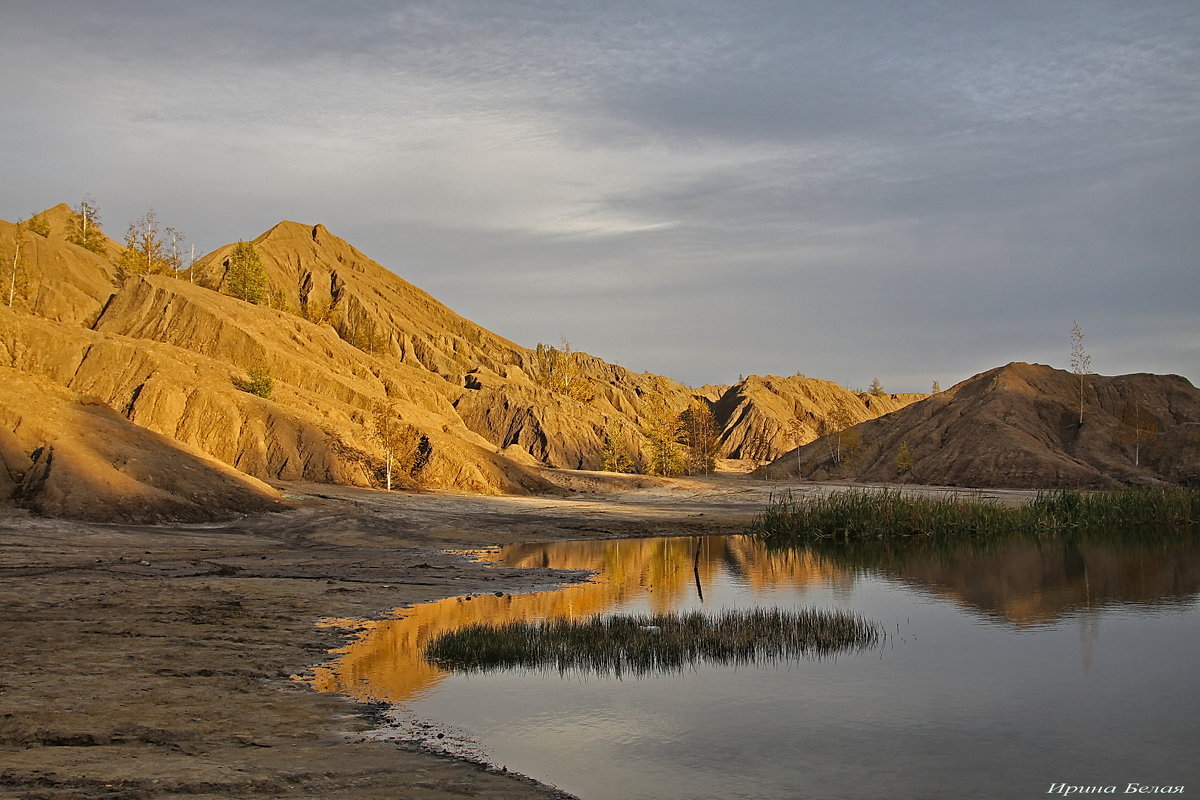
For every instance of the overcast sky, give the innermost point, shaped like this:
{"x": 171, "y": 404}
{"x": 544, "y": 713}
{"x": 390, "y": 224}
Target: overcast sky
{"x": 905, "y": 190}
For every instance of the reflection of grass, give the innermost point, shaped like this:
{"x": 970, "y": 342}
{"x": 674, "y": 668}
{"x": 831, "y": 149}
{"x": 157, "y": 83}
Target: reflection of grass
{"x": 640, "y": 644}
{"x": 877, "y": 515}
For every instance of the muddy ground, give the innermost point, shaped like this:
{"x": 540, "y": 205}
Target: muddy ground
{"x": 158, "y": 661}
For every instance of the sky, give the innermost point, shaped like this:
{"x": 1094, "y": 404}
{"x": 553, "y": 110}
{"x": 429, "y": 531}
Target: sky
{"x": 849, "y": 189}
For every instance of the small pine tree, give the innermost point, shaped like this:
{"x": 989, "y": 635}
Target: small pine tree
{"x": 937, "y": 387}
{"x": 904, "y": 459}
{"x": 663, "y": 430}
{"x": 38, "y": 224}
{"x": 279, "y": 301}
{"x": 700, "y": 437}
{"x": 614, "y": 452}
{"x": 876, "y": 389}
{"x": 245, "y": 275}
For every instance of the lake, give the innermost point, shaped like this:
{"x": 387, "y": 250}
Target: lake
{"x": 1007, "y": 667}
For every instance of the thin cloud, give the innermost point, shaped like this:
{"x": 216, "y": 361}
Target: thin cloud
{"x": 852, "y": 189}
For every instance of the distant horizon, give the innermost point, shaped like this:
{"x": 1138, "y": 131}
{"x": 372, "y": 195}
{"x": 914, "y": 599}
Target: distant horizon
{"x": 863, "y": 388}
{"x": 852, "y": 190}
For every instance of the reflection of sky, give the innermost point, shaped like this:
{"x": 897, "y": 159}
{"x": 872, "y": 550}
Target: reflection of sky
{"x": 958, "y": 702}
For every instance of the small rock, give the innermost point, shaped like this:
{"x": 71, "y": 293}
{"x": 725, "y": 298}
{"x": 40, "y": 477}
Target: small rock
{"x": 499, "y": 594}
{"x": 144, "y": 563}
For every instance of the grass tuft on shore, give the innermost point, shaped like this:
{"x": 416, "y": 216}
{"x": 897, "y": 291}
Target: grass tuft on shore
{"x": 641, "y": 644}
{"x": 864, "y": 514}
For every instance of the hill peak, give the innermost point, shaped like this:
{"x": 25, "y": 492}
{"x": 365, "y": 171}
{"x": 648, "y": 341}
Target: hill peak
{"x": 291, "y": 229}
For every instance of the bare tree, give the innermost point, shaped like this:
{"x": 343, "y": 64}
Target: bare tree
{"x": 1081, "y": 363}
{"x": 835, "y": 427}
{"x": 85, "y": 226}
{"x": 559, "y": 371}
{"x": 146, "y": 250}
{"x": 797, "y": 428}
{"x": 401, "y": 443}
{"x": 14, "y": 273}
{"x": 1135, "y": 426}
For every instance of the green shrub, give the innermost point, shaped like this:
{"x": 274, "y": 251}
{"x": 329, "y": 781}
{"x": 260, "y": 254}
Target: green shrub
{"x": 259, "y": 382}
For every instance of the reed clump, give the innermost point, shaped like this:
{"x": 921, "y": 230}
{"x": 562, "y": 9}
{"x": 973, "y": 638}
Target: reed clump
{"x": 642, "y": 644}
{"x": 865, "y": 515}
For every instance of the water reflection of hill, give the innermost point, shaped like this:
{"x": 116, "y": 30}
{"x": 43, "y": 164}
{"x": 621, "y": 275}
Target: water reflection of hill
{"x": 385, "y": 662}
{"x": 1033, "y": 581}
{"x": 1018, "y": 581}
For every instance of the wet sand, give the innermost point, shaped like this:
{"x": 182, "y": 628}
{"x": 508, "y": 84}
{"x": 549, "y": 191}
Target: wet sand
{"x": 158, "y": 661}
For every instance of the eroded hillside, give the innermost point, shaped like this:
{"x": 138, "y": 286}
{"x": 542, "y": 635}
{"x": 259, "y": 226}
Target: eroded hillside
{"x": 339, "y": 339}
{"x": 1019, "y": 426}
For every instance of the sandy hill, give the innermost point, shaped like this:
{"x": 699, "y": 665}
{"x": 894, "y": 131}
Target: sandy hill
{"x": 67, "y": 283}
{"x": 1018, "y": 426}
{"x": 62, "y": 456}
{"x": 764, "y": 417}
{"x": 342, "y": 337}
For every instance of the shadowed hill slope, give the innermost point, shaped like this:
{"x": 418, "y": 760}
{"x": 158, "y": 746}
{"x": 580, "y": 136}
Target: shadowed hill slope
{"x": 89, "y": 462}
{"x": 764, "y": 417}
{"x": 1018, "y": 426}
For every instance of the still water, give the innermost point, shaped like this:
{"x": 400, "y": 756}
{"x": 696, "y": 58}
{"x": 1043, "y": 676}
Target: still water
{"x": 1006, "y": 669}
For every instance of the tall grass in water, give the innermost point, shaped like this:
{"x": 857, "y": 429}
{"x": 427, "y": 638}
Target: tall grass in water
{"x": 639, "y": 644}
{"x": 857, "y": 515}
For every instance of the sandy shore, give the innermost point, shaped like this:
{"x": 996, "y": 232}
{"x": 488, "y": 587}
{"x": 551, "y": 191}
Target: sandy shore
{"x": 146, "y": 662}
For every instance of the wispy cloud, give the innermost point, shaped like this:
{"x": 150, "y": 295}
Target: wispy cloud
{"x": 852, "y": 189}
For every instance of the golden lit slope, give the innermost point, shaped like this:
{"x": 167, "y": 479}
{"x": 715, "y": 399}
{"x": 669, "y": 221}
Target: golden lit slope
{"x": 88, "y": 462}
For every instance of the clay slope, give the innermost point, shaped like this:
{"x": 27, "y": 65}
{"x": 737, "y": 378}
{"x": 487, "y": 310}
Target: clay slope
{"x": 66, "y": 282}
{"x": 1018, "y": 426}
{"x": 315, "y": 274}
{"x": 168, "y": 355}
{"x": 343, "y": 337}
{"x": 764, "y": 417}
{"x": 310, "y": 268}
{"x": 64, "y": 456}
{"x": 311, "y": 271}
